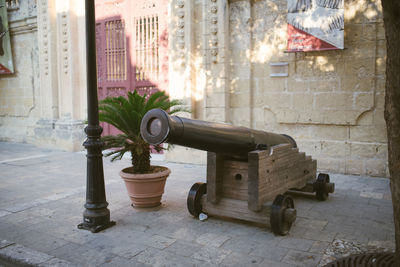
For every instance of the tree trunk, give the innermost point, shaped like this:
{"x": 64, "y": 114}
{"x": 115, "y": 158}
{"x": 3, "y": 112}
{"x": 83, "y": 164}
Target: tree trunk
{"x": 391, "y": 15}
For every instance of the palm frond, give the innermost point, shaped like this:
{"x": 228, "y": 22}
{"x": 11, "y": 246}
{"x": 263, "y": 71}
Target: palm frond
{"x": 126, "y": 114}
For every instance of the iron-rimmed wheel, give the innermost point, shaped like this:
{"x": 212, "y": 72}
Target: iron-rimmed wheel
{"x": 320, "y": 186}
{"x": 283, "y": 214}
{"x": 194, "y": 198}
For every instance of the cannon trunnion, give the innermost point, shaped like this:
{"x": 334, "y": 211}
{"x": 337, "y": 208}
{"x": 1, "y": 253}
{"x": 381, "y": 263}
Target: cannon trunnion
{"x": 249, "y": 172}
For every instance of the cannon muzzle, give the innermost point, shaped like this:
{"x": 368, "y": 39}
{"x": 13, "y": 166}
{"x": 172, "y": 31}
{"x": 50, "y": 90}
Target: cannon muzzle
{"x": 158, "y": 127}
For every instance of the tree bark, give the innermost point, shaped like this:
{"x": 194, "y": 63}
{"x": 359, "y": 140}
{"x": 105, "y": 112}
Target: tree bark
{"x": 391, "y": 15}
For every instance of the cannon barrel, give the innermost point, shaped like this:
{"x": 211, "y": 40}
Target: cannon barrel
{"x": 158, "y": 127}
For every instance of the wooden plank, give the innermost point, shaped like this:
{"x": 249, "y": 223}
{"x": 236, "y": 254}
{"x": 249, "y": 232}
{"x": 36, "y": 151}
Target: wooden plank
{"x": 215, "y": 168}
{"x": 295, "y": 174}
{"x": 237, "y": 209}
{"x": 293, "y": 171}
{"x": 235, "y": 180}
{"x": 236, "y": 164}
{"x": 269, "y": 193}
{"x": 280, "y": 163}
{"x": 253, "y": 198}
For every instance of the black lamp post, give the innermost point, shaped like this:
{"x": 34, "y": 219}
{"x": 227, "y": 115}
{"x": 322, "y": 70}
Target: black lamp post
{"x": 96, "y": 216}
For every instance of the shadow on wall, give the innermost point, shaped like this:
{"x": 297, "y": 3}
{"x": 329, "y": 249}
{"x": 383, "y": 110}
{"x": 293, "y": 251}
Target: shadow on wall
{"x": 130, "y": 56}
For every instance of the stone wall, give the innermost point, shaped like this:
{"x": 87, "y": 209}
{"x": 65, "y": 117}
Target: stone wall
{"x": 44, "y": 101}
{"x": 331, "y": 102}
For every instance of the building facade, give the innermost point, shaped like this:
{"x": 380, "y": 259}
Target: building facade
{"x": 44, "y": 101}
{"x": 224, "y": 57}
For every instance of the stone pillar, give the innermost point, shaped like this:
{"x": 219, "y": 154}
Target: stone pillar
{"x": 181, "y": 50}
{"x": 71, "y": 71}
{"x": 47, "y": 59}
{"x": 217, "y": 60}
{"x": 182, "y": 79}
{"x": 241, "y": 68}
{"x": 61, "y": 39}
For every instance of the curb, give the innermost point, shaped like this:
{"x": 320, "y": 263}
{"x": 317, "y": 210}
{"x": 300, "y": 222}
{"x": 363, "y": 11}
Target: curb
{"x": 12, "y": 254}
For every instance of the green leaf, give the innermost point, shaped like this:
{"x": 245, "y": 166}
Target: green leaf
{"x": 126, "y": 113}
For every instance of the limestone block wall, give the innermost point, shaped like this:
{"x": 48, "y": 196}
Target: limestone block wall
{"x": 331, "y": 102}
{"x": 19, "y": 92}
{"x": 44, "y": 101}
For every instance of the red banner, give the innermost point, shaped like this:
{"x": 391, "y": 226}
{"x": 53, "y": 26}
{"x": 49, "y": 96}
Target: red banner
{"x": 299, "y": 40}
{"x": 315, "y": 25}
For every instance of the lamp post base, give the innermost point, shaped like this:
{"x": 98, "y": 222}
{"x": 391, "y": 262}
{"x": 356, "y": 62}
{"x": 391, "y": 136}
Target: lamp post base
{"x": 96, "y": 220}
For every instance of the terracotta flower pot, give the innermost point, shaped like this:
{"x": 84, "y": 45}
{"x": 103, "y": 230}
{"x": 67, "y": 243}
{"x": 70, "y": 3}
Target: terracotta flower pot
{"x": 145, "y": 190}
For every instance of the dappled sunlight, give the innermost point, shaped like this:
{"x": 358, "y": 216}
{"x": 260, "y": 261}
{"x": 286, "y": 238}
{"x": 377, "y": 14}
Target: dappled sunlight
{"x": 323, "y": 63}
{"x": 353, "y": 8}
{"x": 273, "y": 44}
{"x": 362, "y": 8}
{"x": 201, "y": 80}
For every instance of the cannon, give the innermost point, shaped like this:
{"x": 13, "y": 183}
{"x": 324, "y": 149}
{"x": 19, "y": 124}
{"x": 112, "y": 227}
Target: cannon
{"x": 250, "y": 173}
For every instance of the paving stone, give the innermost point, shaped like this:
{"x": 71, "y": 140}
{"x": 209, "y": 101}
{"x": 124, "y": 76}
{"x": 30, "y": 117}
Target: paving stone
{"x": 11, "y": 231}
{"x": 270, "y": 252}
{"x": 242, "y": 259}
{"x": 361, "y": 238}
{"x": 381, "y": 202}
{"x": 22, "y": 255}
{"x": 40, "y": 241}
{"x": 319, "y": 247}
{"x": 4, "y": 213}
{"x": 70, "y": 233}
{"x": 5, "y": 243}
{"x": 211, "y": 255}
{"x": 123, "y": 262}
{"x": 211, "y": 239}
{"x": 344, "y": 229}
{"x": 310, "y": 223}
{"x": 301, "y": 258}
{"x": 266, "y": 237}
{"x": 155, "y": 257}
{"x": 127, "y": 246}
{"x": 55, "y": 262}
{"x": 296, "y": 243}
{"x": 187, "y": 233}
{"x": 241, "y": 244}
{"x": 160, "y": 242}
{"x": 271, "y": 263}
{"x": 240, "y": 230}
{"x": 371, "y": 195}
{"x": 183, "y": 248}
{"x": 319, "y": 235}
{"x": 82, "y": 255}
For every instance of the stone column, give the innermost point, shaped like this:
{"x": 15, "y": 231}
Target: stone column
{"x": 70, "y": 48}
{"x": 241, "y": 86}
{"x": 217, "y": 60}
{"x": 47, "y": 59}
{"x": 62, "y": 74}
{"x": 181, "y": 69}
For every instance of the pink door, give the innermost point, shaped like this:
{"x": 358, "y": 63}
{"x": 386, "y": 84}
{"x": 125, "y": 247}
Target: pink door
{"x": 131, "y": 43}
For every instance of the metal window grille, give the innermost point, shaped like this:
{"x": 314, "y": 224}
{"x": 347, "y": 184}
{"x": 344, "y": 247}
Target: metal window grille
{"x": 115, "y": 51}
{"x": 147, "y": 48}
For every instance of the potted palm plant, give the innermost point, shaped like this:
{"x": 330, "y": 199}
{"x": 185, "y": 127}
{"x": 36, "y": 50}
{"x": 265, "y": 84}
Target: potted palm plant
{"x": 144, "y": 182}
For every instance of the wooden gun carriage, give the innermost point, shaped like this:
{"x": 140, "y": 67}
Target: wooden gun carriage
{"x": 248, "y": 171}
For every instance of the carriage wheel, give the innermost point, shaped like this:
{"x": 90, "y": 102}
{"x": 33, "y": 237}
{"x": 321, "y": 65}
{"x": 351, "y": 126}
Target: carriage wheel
{"x": 283, "y": 214}
{"x": 320, "y": 187}
{"x": 194, "y": 198}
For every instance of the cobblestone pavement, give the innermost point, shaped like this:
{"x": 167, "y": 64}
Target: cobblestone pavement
{"x": 42, "y": 193}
